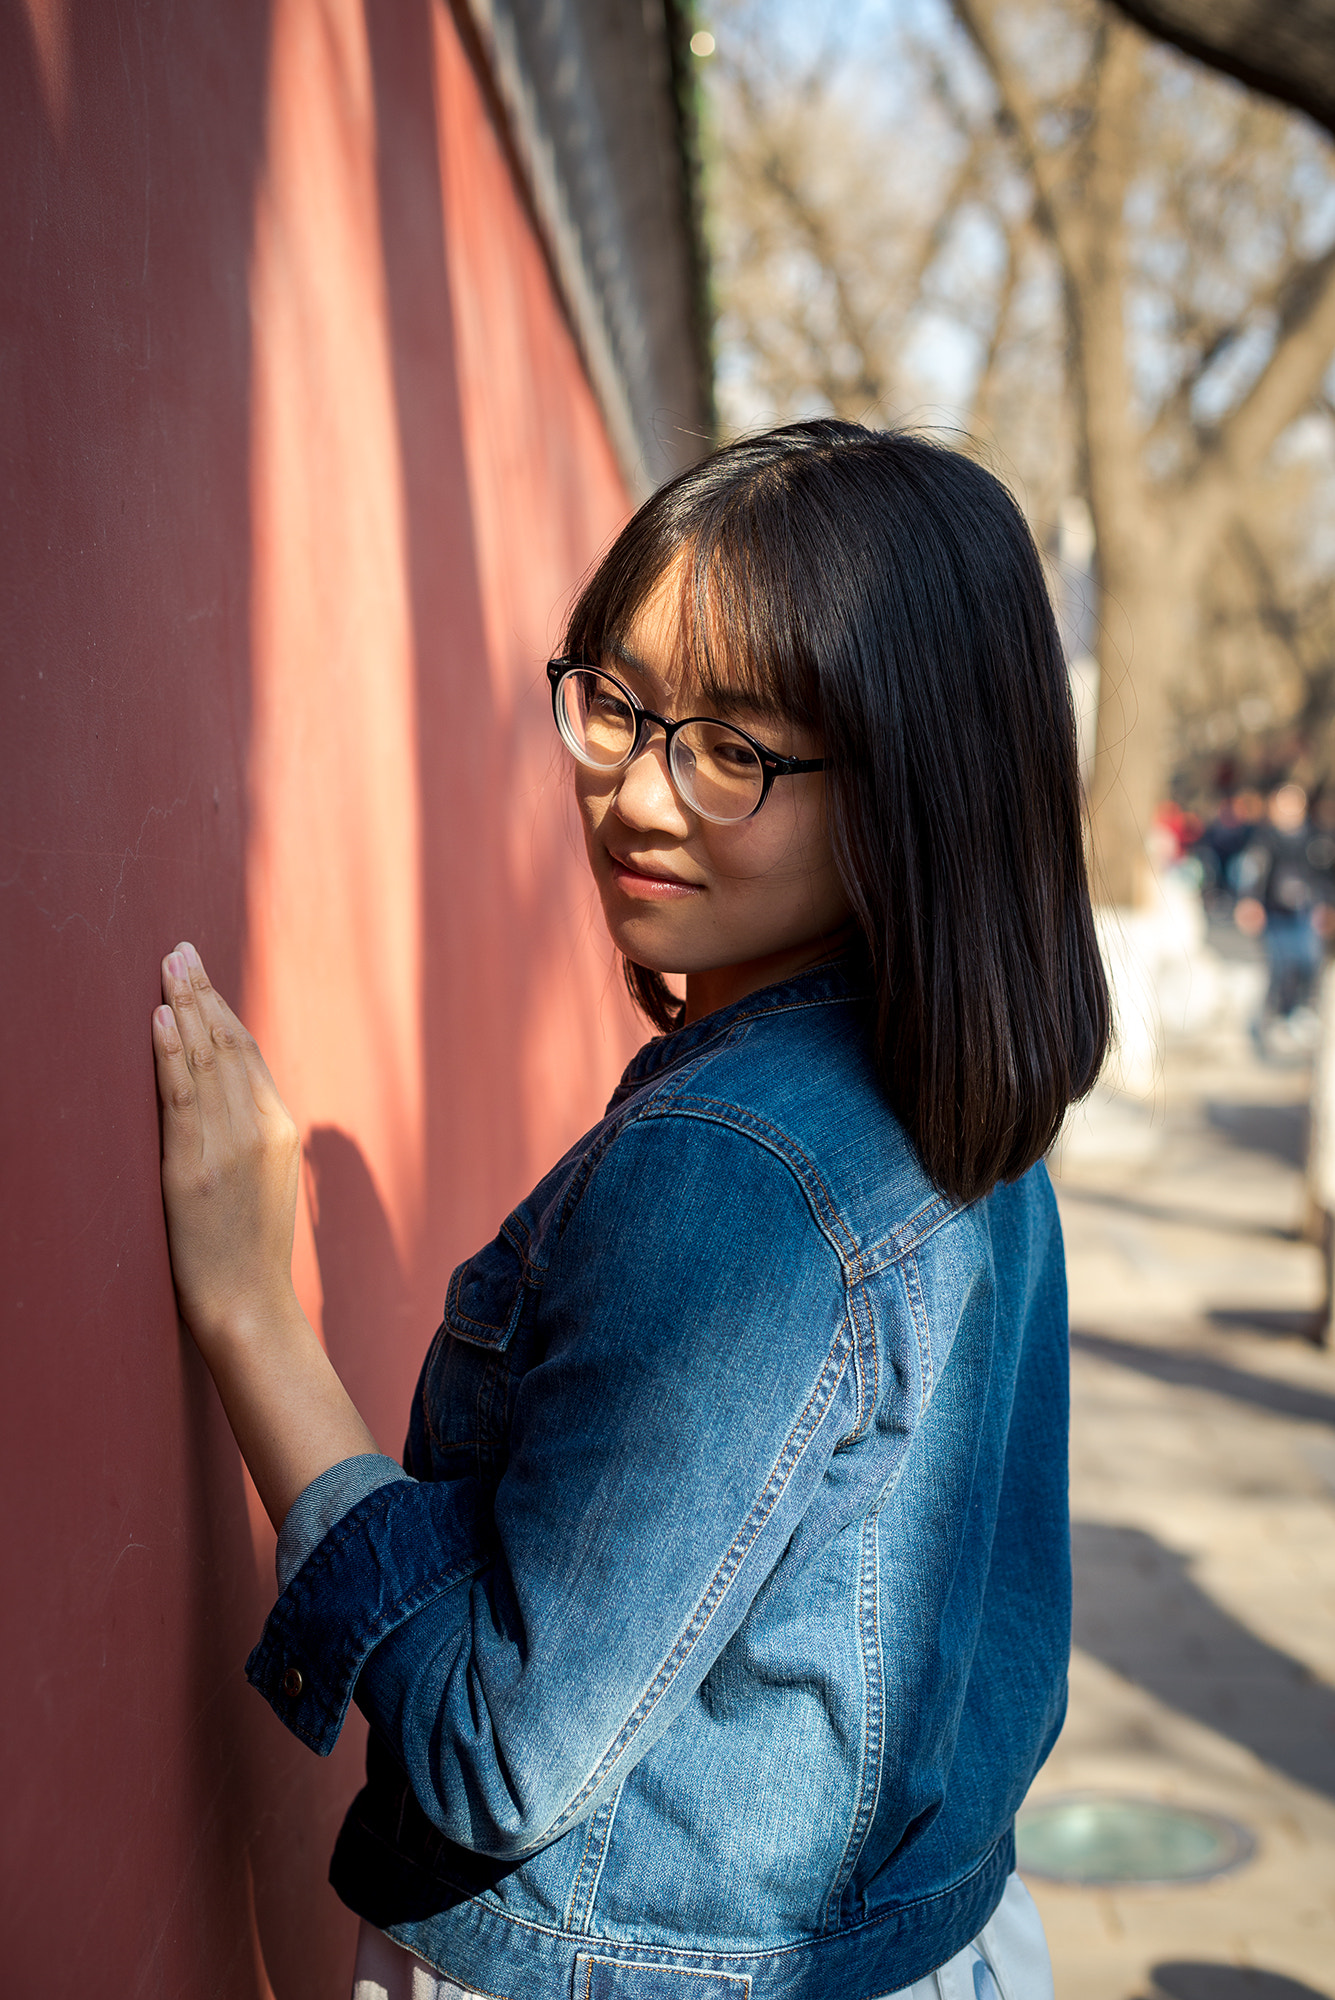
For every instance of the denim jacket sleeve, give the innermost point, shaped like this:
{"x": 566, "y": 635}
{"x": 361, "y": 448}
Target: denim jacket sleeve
{"x": 322, "y": 1505}
{"x": 691, "y": 1380}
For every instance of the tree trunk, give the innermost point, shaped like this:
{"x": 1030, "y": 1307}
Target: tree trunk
{"x": 1143, "y": 627}
{"x": 1150, "y": 575}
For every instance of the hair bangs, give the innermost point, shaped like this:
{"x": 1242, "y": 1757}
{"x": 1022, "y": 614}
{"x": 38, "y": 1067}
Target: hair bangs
{"x": 740, "y": 642}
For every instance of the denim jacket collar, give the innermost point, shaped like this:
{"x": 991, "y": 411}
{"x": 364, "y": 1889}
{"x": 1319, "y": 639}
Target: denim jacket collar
{"x": 843, "y": 978}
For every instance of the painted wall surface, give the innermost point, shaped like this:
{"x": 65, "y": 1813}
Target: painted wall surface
{"x": 299, "y": 467}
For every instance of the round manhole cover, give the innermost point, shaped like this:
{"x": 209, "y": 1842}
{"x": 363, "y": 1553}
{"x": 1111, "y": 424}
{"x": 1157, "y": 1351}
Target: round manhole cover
{"x": 1101, "y": 1840}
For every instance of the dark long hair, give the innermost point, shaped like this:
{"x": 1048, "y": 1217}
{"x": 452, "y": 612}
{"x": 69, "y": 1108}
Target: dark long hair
{"x": 885, "y": 592}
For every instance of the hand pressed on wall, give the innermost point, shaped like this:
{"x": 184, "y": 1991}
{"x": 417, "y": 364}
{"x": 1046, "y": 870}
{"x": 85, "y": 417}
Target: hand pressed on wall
{"x": 231, "y": 1154}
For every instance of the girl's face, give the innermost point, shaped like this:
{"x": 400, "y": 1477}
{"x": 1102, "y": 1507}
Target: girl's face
{"x": 733, "y": 907}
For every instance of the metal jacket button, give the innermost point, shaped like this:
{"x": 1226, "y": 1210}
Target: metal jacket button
{"x": 293, "y": 1682}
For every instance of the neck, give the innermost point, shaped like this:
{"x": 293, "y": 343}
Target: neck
{"x": 723, "y": 985}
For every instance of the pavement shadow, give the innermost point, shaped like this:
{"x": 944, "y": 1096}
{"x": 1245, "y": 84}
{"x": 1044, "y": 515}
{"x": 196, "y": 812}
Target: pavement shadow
{"x": 1188, "y": 1370}
{"x": 1281, "y": 1324}
{"x": 1197, "y": 1979}
{"x": 1280, "y": 1131}
{"x": 1140, "y": 1611}
{"x": 1171, "y": 1212}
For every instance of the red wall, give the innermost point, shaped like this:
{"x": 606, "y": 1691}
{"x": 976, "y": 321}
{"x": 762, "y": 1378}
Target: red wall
{"x": 299, "y": 468}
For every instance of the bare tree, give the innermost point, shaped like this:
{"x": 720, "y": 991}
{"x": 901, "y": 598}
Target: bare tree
{"x": 1168, "y": 467}
{"x": 825, "y": 227}
{"x": 1133, "y": 257}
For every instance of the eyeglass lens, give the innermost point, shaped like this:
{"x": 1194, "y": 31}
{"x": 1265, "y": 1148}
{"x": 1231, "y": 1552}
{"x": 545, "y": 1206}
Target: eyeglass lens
{"x": 714, "y": 768}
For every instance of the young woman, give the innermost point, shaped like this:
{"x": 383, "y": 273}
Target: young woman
{"x": 716, "y": 1622}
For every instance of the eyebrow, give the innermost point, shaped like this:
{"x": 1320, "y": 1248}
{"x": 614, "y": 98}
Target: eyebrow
{"x": 726, "y": 704}
{"x": 625, "y": 658}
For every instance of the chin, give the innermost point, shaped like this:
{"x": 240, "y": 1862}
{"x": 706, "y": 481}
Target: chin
{"x": 641, "y": 950}
{"x": 637, "y": 942}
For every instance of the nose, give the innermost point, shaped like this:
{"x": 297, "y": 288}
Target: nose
{"x": 646, "y": 798}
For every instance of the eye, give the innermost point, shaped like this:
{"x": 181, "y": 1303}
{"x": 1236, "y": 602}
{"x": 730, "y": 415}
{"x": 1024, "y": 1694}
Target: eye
{"x": 734, "y": 755}
{"x": 610, "y": 706}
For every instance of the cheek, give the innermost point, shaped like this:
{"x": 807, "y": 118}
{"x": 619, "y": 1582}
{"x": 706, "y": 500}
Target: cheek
{"x": 780, "y": 845}
{"x": 743, "y": 863}
{"x": 591, "y": 799}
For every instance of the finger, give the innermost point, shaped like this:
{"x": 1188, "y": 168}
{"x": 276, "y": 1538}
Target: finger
{"x": 231, "y": 1034}
{"x": 226, "y": 1036}
{"x": 181, "y": 1126}
{"x": 201, "y": 1053}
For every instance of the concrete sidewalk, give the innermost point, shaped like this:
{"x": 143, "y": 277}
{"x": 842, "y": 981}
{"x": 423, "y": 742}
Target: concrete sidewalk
{"x": 1203, "y": 1501}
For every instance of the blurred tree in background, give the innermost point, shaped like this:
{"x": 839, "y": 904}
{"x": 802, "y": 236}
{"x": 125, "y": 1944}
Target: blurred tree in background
{"x": 1116, "y": 270}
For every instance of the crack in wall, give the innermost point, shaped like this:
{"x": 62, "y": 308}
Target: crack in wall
{"x": 130, "y": 857}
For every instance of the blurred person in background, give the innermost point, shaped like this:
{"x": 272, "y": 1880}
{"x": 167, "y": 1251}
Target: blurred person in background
{"x": 1285, "y": 900}
{"x": 1222, "y": 844}
{"x": 1179, "y": 828}
{"x": 1321, "y": 846}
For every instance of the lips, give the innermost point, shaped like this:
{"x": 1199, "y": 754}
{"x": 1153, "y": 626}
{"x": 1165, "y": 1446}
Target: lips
{"x": 651, "y": 871}
{"x": 648, "y": 878}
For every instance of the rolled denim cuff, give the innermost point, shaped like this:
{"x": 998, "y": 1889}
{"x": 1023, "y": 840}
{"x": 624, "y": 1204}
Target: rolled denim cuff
{"x": 322, "y": 1504}
{"x": 395, "y": 1551}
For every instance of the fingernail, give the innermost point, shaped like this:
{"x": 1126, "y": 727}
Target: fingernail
{"x": 188, "y": 951}
{"x": 163, "y": 1016}
{"x": 176, "y": 966}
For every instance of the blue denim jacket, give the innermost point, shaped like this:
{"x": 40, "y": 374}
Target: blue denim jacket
{"x": 720, "y": 1619}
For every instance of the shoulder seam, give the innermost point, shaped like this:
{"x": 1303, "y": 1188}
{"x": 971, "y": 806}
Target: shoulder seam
{"x": 774, "y": 1140}
{"x": 902, "y": 1241}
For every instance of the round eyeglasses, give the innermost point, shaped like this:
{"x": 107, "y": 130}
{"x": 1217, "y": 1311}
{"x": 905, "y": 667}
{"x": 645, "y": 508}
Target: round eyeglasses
{"x": 718, "y": 770}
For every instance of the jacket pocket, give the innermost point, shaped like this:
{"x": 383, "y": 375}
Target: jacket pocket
{"x": 613, "y": 1979}
{"x": 486, "y": 1295}
{"x": 466, "y": 1389}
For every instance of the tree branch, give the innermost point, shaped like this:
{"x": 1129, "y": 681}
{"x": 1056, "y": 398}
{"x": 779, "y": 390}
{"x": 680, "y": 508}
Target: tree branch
{"x": 1290, "y": 380}
{"x": 1018, "y": 114}
{"x": 1017, "y": 233}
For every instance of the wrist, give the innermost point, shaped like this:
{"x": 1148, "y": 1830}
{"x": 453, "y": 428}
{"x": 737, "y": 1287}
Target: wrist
{"x": 289, "y": 1412}
{"x": 248, "y": 1320}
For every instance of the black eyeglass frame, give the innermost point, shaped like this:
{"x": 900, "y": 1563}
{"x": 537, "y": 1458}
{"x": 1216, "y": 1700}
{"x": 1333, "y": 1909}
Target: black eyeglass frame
{"x": 772, "y": 766}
